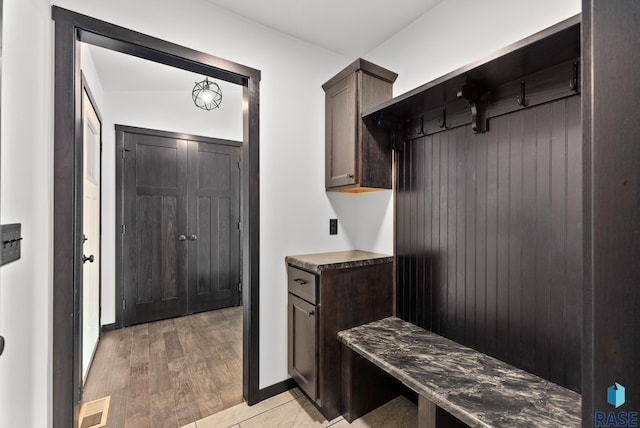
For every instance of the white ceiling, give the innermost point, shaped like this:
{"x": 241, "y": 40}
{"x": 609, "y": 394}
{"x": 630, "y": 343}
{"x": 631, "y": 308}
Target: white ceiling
{"x": 349, "y": 27}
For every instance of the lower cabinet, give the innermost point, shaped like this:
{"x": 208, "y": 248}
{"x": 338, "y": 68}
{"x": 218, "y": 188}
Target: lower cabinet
{"x": 321, "y": 304}
{"x": 303, "y": 345}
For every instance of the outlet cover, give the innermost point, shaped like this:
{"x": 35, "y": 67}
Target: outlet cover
{"x": 333, "y": 226}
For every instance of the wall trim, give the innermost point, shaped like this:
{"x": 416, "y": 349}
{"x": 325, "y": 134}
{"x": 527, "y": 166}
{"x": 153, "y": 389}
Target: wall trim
{"x": 277, "y": 388}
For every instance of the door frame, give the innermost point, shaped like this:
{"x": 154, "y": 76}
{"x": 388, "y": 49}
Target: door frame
{"x": 71, "y": 28}
{"x": 120, "y": 203}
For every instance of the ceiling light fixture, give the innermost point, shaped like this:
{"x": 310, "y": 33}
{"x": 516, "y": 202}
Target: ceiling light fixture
{"x": 207, "y": 95}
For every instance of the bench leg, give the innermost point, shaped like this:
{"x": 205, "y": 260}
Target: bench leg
{"x": 426, "y": 413}
{"x": 364, "y": 386}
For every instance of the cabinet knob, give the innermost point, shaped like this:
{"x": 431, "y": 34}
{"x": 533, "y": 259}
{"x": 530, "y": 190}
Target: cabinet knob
{"x": 193, "y": 237}
{"x": 182, "y": 238}
{"x": 351, "y": 175}
{"x": 311, "y": 313}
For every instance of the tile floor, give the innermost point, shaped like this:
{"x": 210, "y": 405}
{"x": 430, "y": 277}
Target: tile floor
{"x": 292, "y": 409}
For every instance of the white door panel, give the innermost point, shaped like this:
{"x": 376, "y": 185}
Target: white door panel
{"x": 91, "y": 231}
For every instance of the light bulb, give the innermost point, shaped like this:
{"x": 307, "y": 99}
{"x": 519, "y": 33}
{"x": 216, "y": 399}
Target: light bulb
{"x": 206, "y": 96}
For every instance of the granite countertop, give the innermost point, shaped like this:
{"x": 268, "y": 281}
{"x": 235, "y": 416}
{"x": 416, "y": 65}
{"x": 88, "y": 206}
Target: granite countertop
{"x": 476, "y": 388}
{"x": 337, "y": 260}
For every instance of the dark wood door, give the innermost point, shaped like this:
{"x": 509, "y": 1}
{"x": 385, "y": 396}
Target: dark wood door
{"x": 181, "y": 213}
{"x": 214, "y": 235}
{"x": 155, "y": 215}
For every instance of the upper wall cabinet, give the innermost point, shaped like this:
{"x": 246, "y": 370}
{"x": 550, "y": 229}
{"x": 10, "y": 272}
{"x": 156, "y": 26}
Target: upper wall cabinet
{"x": 358, "y": 154}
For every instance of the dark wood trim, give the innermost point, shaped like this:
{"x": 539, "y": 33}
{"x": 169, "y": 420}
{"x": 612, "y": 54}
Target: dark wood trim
{"x": 64, "y": 396}
{"x": 119, "y": 289}
{"x": 101, "y": 33}
{"x": 277, "y": 388}
{"x": 611, "y": 337}
{"x": 70, "y": 28}
{"x": 367, "y": 67}
{"x": 109, "y": 327}
{"x": 250, "y": 237}
{"x": 505, "y": 65}
{"x": 119, "y": 220}
{"x": 177, "y": 135}
{"x": 587, "y": 242}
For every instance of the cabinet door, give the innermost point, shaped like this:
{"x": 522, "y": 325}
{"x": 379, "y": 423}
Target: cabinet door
{"x": 303, "y": 345}
{"x": 341, "y": 133}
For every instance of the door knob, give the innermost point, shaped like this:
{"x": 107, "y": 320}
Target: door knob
{"x": 87, "y": 259}
{"x": 182, "y": 238}
{"x": 193, "y": 238}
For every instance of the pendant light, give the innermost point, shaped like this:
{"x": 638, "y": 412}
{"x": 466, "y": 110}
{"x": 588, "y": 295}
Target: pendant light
{"x": 207, "y": 95}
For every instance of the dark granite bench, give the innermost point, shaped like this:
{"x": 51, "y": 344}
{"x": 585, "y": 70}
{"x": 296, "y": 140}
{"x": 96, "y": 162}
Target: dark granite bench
{"x": 479, "y": 390}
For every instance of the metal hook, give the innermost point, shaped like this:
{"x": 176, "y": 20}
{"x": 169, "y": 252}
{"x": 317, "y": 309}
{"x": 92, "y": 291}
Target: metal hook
{"x": 573, "y": 83}
{"x": 421, "y": 131}
{"x": 443, "y": 124}
{"x": 521, "y": 99}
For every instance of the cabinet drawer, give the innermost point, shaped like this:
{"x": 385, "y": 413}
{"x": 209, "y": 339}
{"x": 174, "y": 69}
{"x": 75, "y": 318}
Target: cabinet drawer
{"x": 302, "y": 283}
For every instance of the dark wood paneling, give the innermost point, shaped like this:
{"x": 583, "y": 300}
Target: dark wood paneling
{"x": 612, "y": 195}
{"x": 488, "y": 237}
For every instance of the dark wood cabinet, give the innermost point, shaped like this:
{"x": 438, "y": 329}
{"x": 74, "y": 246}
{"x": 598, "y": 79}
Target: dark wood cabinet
{"x": 327, "y": 293}
{"x": 357, "y": 153}
{"x": 303, "y": 346}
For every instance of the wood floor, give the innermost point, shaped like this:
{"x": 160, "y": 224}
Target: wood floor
{"x": 169, "y": 373}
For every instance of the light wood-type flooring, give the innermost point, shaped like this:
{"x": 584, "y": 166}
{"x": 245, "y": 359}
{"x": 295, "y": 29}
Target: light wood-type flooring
{"x": 169, "y": 373}
{"x": 292, "y": 409}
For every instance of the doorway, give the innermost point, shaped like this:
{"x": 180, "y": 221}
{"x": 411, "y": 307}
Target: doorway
{"x": 70, "y": 29}
{"x": 180, "y": 223}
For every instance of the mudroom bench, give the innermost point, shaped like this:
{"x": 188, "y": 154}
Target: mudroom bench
{"x": 475, "y": 388}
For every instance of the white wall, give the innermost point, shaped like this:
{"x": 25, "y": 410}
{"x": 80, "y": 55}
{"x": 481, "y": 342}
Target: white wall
{"x": 457, "y": 32}
{"x": 294, "y": 206}
{"x": 25, "y": 309}
{"x": 90, "y": 73}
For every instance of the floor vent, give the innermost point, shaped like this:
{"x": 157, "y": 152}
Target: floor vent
{"x": 93, "y": 414}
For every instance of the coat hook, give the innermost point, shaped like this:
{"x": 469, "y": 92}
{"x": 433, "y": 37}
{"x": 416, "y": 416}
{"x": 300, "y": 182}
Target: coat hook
{"x": 521, "y": 99}
{"x": 573, "y": 83}
{"x": 443, "y": 124}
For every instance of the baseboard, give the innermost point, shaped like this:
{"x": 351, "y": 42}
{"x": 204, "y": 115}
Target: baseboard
{"x": 108, "y": 327}
{"x": 276, "y": 388}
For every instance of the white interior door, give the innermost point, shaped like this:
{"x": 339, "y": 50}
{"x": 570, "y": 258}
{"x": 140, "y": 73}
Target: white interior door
{"x": 91, "y": 232}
